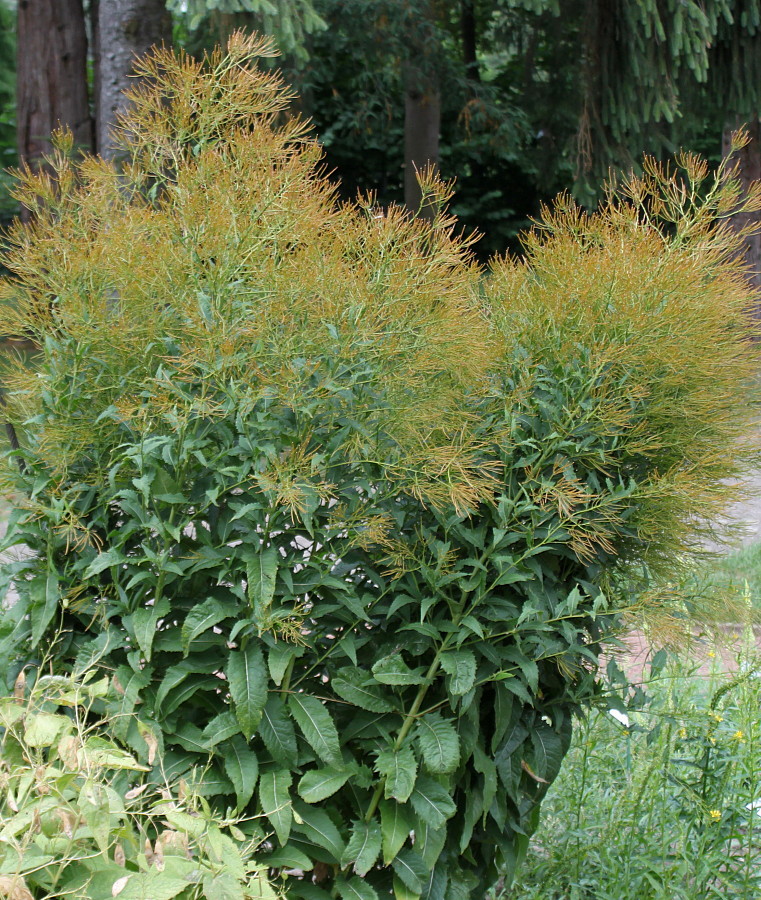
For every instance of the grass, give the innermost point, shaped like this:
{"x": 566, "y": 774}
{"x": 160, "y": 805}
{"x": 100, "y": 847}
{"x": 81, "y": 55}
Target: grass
{"x": 664, "y": 805}
{"x": 743, "y": 567}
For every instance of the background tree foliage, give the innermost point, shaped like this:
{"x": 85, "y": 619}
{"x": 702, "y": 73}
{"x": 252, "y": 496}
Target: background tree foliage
{"x": 344, "y": 520}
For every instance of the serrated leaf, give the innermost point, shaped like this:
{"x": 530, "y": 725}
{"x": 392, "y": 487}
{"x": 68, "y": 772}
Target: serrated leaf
{"x": 105, "y": 560}
{"x": 460, "y": 665}
{"x": 221, "y": 727}
{"x": 399, "y": 768}
{"x": 318, "y": 784}
{"x": 277, "y": 731}
{"x": 439, "y": 744}
{"x": 247, "y": 677}
{"x": 364, "y": 847}
{"x": 429, "y": 842}
{"x": 355, "y": 889}
{"x": 396, "y": 825}
{"x": 42, "y": 729}
{"x": 319, "y": 828}
{"x": 223, "y": 886}
{"x": 202, "y": 617}
{"x": 153, "y": 884}
{"x": 395, "y": 671}
{"x": 275, "y": 801}
{"x": 45, "y": 596}
{"x": 317, "y": 727}
{"x": 144, "y": 622}
{"x": 401, "y": 891}
{"x": 548, "y": 753}
{"x": 355, "y": 686}
{"x": 409, "y": 867}
{"x": 288, "y": 857}
{"x": 261, "y": 577}
{"x": 278, "y": 659}
{"x": 432, "y": 802}
{"x": 242, "y": 768}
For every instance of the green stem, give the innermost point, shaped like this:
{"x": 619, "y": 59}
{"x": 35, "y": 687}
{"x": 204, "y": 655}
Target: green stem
{"x": 409, "y": 721}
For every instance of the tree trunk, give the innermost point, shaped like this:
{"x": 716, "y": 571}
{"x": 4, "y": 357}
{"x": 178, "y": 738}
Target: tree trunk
{"x": 422, "y": 123}
{"x": 469, "y": 39}
{"x": 124, "y": 30}
{"x": 51, "y": 85}
{"x": 749, "y": 169}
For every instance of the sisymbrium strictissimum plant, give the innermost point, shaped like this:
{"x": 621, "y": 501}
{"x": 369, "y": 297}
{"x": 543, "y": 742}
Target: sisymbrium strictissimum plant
{"x": 345, "y": 522}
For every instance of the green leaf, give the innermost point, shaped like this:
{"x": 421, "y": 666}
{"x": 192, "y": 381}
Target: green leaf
{"x": 460, "y": 665}
{"x": 42, "y": 729}
{"x": 144, "y": 622}
{"x": 153, "y": 884}
{"x": 548, "y": 751}
{"x": 202, "y": 617}
{"x": 318, "y": 784}
{"x": 247, "y": 677}
{"x": 439, "y": 744}
{"x": 242, "y": 768}
{"x": 45, "y": 596}
{"x": 277, "y": 731}
{"x": 317, "y": 727}
{"x": 288, "y": 857}
{"x": 261, "y": 576}
{"x": 276, "y": 802}
{"x": 432, "y": 802}
{"x": 429, "y": 842}
{"x": 220, "y": 728}
{"x": 355, "y": 889}
{"x": 396, "y": 825}
{"x": 223, "y": 886}
{"x": 278, "y": 659}
{"x": 402, "y": 892}
{"x": 411, "y": 870}
{"x": 105, "y": 560}
{"x": 399, "y": 768}
{"x": 319, "y": 828}
{"x": 364, "y": 847}
{"x": 394, "y": 670}
{"x": 355, "y": 686}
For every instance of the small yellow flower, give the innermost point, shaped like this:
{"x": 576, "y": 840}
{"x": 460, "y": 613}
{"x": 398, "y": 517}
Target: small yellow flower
{"x": 715, "y": 815}
{"x": 716, "y": 717}
{"x": 626, "y": 732}
{"x": 739, "y": 736}
{"x": 682, "y": 733}
{"x": 711, "y": 654}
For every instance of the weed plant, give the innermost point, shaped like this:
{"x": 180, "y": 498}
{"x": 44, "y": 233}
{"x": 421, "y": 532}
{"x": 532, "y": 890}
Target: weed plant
{"x": 79, "y": 820}
{"x": 664, "y": 805}
{"x": 344, "y": 524}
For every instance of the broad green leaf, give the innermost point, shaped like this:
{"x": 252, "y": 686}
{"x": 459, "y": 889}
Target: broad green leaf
{"x": 460, "y": 665}
{"x": 278, "y": 659}
{"x": 396, "y": 825}
{"x": 247, "y": 677}
{"x": 355, "y": 686}
{"x": 319, "y": 828}
{"x": 548, "y": 752}
{"x": 43, "y": 729}
{"x": 144, "y": 622}
{"x": 288, "y": 857}
{"x": 439, "y": 744}
{"x": 317, "y": 727}
{"x": 100, "y": 752}
{"x": 202, "y": 617}
{"x": 318, "y": 784}
{"x": 527, "y": 666}
{"x": 394, "y": 670}
{"x": 223, "y": 886}
{"x": 277, "y": 731}
{"x": 242, "y": 768}
{"x": 364, "y": 847}
{"x": 411, "y": 870}
{"x": 261, "y": 576}
{"x": 275, "y": 801}
{"x": 45, "y": 597}
{"x": 399, "y": 768}
{"x": 105, "y": 560}
{"x": 401, "y": 891}
{"x": 153, "y": 884}
{"x": 432, "y": 802}
{"x": 355, "y": 889}
{"x": 429, "y": 842}
{"x": 221, "y": 727}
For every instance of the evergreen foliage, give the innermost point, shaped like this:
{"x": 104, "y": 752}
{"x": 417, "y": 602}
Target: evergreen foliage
{"x": 345, "y": 526}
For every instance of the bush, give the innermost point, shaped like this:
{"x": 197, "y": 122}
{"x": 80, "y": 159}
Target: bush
{"x": 79, "y": 820}
{"x": 346, "y": 526}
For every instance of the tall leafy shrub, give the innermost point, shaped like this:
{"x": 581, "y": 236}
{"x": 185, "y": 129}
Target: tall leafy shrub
{"x": 346, "y": 527}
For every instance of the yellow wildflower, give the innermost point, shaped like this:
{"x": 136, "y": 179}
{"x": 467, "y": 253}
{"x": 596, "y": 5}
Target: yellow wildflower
{"x": 715, "y": 815}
